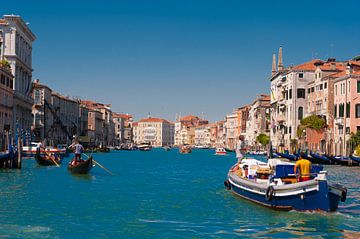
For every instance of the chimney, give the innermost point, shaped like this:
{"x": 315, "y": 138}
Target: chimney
{"x": 280, "y": 63}
{"x": 273, "y": 70}
{"x": 349, "y": 69}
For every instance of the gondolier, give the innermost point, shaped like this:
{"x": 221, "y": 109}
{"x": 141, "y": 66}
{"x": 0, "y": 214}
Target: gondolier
{"x": 240, "y": 152}
{"x": 78, "y": 150}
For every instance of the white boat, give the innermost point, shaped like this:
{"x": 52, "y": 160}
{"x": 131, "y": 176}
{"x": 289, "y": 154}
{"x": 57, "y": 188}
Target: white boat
{"x": 274, "y": 184}
{"x": 220, "y": 151}
{"x": 30, "y": 151}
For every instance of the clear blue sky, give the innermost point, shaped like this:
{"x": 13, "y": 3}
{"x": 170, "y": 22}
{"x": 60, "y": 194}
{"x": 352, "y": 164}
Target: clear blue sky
{"x": 182, "y": 56}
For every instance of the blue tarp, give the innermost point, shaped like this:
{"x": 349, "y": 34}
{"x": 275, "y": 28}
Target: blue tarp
{"x": 285, "y": 170}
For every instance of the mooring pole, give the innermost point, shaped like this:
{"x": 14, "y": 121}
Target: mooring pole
{"x": 19, "y": 153}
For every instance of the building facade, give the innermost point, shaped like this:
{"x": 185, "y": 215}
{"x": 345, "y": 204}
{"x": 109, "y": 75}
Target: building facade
{"x": 123, "y": 128}
{"x": 155, "y": 131}
{"x": 231, "y": 129}
{"x": 16, "y": 41}
{"x": 203, "y": 135}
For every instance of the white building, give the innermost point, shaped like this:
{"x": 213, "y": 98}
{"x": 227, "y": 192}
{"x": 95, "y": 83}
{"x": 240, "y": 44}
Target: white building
{"x": 231, "y": 124}
{"x": 203, "y": 135}
{"x": 155, "y": 131}
{"x": 16, "y": 41}
{"x": 288, "y": 100}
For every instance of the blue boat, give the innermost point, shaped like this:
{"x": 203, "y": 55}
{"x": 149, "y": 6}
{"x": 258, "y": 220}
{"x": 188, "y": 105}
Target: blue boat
{"x": 288, "y": 156}
{"x": 320, "y": 159}
{"x": 355, "y": 158}
{"x": 274, "y": 185}
{"x": 342, "y": 160}
{"x": 9, "y": 159}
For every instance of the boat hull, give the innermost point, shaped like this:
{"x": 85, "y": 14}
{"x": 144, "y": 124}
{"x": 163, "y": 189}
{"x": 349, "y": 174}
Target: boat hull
{"x": 305, "y": 196}
{"x": 81, "y": 168}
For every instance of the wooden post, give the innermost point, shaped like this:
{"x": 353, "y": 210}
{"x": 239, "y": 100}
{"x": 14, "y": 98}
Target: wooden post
{"x": 19, "y": 153}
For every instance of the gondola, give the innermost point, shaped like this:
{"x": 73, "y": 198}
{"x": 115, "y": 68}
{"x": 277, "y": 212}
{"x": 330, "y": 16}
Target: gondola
{"x": 9, "y": 160}
{"x": 320, "y": 159}
{"x": 46, "y": 160}
{"x": 355, "y": 158}
{"x": 81, "y": 167}
{"x": 230, "y": 150}
{"x": 290, "y": 157}
{"x": 341, "y": 160}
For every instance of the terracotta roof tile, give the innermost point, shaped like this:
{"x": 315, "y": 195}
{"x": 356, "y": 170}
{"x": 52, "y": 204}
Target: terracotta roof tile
{"x": 154, "y": 120}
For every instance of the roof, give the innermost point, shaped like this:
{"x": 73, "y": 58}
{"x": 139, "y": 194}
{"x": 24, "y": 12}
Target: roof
{"x": 94, "y": 105}
{"x": 324, "y": 65}
{"x": 135, "y": 124}
{"x": 189, "y": 118}
{"x": 153, "y": 120}
{"x": 122, "y": 116}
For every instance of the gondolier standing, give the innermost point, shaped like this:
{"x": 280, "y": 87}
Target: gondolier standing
{"x": 78, "y": 149}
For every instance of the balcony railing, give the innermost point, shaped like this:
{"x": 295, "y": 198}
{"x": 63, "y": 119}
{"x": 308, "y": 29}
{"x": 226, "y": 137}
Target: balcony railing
{"x": 339, "y": 121}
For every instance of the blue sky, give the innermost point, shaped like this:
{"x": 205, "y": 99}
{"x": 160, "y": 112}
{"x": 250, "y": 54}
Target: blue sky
{"x": 165, "y": 57}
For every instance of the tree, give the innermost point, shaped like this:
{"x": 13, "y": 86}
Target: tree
{"x": 312, "y": 122}
{"x": 263, "y": 139}
{"x": 354, "y": 142}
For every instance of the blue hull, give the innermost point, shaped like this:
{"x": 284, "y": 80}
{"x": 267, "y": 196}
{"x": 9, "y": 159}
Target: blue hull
{"x": 287, "y": 156}
{"x": 355, "y": 158}
{"x": 320, "y": 159}
{"x": 321, "y": 199}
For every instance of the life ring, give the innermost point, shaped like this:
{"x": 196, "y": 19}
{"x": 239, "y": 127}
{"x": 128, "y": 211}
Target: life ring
{"x": 343, "y": 195}
{"x": 270, "y": 191}
{"x": 227, "y": 184}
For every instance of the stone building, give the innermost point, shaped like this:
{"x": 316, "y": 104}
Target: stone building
{"x": 6, "y": 102}
{"x": 123, "y": 128}
{"x": 155, "y": 131}
{"x": 185, "y": 129}
{"x": 16, "y": 41}
{"x": 258, "y": 120}
{"x": 203, "y": 135}
{"x": 231, "y": 127}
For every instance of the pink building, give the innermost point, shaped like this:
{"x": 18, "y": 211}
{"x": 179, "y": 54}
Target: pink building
{"x": 346, "y": 107}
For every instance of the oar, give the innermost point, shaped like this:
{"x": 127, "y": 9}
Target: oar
{"x": 99, "y": 164}
{"x": 51, "y": 158}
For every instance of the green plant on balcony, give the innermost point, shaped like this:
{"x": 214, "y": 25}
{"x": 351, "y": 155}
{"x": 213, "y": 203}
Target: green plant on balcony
{"x": 5, "y": 63}
{"x": 263, "y": 139}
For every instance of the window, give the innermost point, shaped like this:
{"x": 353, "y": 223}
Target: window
{"x": 300, "y": 113}
{"x": 347, "y": 130}
{"x": 309, "y": 91}
{"x": 357, "y": 128}
{"x": 348, "y": 110}
{"x": 289, "y": 129}
{"x": 358, "y": 86}
{"x": 325, "y": 85}
{"x": 336, "y": 90}
{"x": 301, "y": 93}
{"x": 312, "y": 89}
{"x": 341, "y": 110}
{"x": 321, "y": 86}
{"x": 301, "y": 75}
{"x": 340, "y": 129}
{"x": 290, "y": 94}
{"x": 357, "y": 110}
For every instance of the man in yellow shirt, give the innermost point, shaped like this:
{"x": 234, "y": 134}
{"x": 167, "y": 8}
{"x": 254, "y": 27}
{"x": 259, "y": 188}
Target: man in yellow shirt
{"x": 304, "y": 166}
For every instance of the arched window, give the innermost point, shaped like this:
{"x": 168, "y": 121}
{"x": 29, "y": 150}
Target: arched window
{"x": 300, "y": 113}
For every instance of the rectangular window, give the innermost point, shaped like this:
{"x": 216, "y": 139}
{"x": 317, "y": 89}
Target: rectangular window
{"x": 341, "y": 110}
{"x": 290, "y": 130}
{"x": 357, "y": 110}
{"x": 321, "y": 86}
{"x": 348, "y": 110}
{"x": 336, "y": 90}
{"x": 301, "y": 75}
{"x": 340, "y": 129}
{"x": 357, "y": 128}
{"x": 347, "y": 130}
{"x": 358, "y": 86}
{"x": 325, "y": 85}
{"x": 309, "y": 91}
{"x": 312, "y": 89}
{"x": 301, "y": 93}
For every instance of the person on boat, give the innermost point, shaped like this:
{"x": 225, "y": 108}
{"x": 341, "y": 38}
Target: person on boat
{"x": 304, "y": 167}
{"x": 78, "y": 149}
{"x": 239, "y": 149}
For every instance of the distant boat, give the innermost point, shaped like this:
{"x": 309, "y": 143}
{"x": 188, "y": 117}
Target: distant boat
{"x": 274, "y": 185}
{"x": 81, "y": 167}
{"x": 342, "y": 160}
{"x": 48, "y": 159}
{"x": 230, "y": 150}
{"x": 144, "y": 147}
{"x": 185, "y": 149}
{"x": 30, "y": 151}
{"x": 167, "y": 148}
{"x": 201, "y": 147}
{"x": 220, "y": 151}
{"x": 288, "y": 156}
{"x": 9, "y": 160}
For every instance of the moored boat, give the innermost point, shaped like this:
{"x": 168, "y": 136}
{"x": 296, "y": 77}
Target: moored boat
{"x": 355, "y": 158}
{"x": 220, "y": 151}
{"x": 144, "y": 147}
{"x": 288, "y": 156}
{"x": 48, "y": 159}
{"x": 274, "y": 185}
{"x": 342, "y": 160}
{"x": 30, "y": 151}
{"x": 82, "y": 167}
{"x": 185, "y": 149}
{"x": 319, "y": 159}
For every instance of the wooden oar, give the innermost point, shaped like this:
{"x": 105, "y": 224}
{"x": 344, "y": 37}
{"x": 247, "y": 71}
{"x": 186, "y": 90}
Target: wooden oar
{"x": 49, "y": 155}
{"x": 99, "y": 164}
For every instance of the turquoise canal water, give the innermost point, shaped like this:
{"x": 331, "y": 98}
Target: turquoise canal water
{"x": 156, "y": 194}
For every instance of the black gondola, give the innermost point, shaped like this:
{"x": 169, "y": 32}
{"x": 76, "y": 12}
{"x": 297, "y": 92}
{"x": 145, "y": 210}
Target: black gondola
{"x": 81, "y": 167}
{"x": 46, "y": 160}
{"x": 345, "y": 161}
{"x": 320, "y": 159}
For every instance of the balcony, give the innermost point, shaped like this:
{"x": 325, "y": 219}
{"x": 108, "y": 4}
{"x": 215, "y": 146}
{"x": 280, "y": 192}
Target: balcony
{"x": 339, "y": 121}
